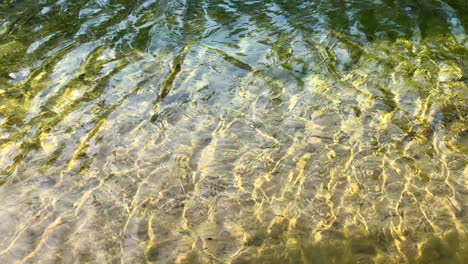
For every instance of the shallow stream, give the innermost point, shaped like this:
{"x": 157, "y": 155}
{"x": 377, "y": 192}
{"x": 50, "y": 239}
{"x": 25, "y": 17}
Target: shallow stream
{"x": 224, "y": 131}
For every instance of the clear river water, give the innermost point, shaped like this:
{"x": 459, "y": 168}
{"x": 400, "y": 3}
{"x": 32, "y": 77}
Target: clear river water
{"x": 229, "y": 131}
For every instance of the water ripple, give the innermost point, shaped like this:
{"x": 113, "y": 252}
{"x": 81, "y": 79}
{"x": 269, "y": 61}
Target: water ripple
{"x": 225, "y": 131}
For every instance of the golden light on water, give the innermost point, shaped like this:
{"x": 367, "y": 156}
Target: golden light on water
{"x": 233, "y": 132}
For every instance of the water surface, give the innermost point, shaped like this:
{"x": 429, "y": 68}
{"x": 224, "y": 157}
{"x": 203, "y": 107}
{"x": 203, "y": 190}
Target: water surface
{"x": 223, "y": 131}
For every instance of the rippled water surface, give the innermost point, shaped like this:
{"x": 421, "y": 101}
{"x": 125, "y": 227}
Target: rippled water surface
{"x": 228, "y": 131}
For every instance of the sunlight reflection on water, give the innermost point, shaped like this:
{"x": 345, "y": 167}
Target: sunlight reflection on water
{"x": 223, "y": 131}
